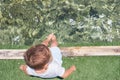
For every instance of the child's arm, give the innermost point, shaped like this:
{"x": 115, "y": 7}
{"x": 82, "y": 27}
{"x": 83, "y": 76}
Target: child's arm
{"x": 23, "y": 68}
{"x": 68, "y": 71}
{"x": 46, "y": 41}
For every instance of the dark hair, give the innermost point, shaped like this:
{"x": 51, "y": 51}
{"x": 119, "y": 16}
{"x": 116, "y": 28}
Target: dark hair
{"x": 37, "y": 56}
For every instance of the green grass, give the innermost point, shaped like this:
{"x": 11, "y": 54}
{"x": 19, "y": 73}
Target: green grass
{"x": 95, "y": 43}
{"x": 88, "y": 68}
{"x": 64, "y": 45}
{"x": 13, "y": 46}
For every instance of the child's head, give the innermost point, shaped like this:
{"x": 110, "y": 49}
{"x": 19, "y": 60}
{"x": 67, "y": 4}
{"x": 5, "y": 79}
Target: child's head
{"x": 37, "y": 56}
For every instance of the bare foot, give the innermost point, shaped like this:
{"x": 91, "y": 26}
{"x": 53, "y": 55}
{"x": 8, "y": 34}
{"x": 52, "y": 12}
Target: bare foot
{"x": 49, "y": 37}
{"x": 54, "y": 42}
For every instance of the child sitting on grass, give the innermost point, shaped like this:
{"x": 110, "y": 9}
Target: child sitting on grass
{"x": 45, "y": 62}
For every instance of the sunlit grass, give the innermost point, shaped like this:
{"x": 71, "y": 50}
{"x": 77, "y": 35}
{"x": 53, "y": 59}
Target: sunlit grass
{"x": 88, "y": 68}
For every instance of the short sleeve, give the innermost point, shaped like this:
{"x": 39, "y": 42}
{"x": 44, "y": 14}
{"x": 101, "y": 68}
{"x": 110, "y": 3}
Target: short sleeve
{"x": 60, "y": 71}
{"x": 29, "y": 70}
{"x": 56, "y": 53}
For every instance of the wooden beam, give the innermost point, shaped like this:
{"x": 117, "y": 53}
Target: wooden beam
{"x": 12, "y": 53}
{"x": 67, "y": 51}
{"x": 91, "y": 51}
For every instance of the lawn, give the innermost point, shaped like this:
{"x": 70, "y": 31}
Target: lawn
{"x": 88, "y": 68}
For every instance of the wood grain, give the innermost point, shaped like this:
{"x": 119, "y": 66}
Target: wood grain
{"x": 67, "y": 51}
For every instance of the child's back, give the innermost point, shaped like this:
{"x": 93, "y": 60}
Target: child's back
{"x": 45, "y": 62}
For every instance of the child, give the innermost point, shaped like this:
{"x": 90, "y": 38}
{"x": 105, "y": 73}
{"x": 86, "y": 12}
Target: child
{"x": 45, "y": 62}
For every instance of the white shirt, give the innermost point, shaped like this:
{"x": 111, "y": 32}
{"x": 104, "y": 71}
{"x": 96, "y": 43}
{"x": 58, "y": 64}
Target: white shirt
{"x": 54, "y": 68}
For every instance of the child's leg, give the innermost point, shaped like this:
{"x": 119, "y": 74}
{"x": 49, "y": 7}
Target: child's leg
{"x": 46, "y": 41}
{"x": 54, "y": 42}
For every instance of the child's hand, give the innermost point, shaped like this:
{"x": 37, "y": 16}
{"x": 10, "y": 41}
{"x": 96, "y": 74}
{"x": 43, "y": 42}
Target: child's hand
{"x": 69, "y": 71}
{"x": 23, "y": 68}
{"x": 73, "y": 68}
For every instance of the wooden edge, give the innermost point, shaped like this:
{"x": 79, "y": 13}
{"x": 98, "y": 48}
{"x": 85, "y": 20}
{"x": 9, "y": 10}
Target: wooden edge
{"x": 67, "y": 51}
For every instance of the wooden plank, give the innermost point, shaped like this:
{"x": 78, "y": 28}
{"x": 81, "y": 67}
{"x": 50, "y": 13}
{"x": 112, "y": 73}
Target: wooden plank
{"x": 12, "y": 53}
{"x": 67, "y": 51}
{"x": 91, "y": 51}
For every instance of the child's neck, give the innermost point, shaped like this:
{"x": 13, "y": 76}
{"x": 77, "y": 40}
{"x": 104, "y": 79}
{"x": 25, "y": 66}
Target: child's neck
{"x": 41, "y": 70}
